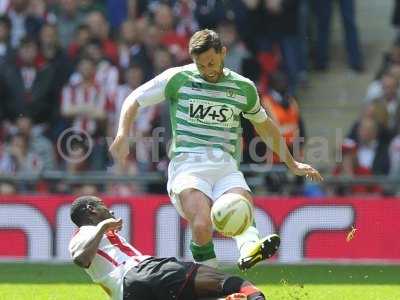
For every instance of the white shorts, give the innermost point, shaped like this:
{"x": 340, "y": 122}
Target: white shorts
{"x": 213, "y": 176}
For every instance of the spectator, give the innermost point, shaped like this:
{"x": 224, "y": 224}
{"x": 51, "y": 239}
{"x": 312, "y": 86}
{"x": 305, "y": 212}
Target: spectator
{"x": 84, "y": 101}
{"x": 4, "y": 5}
{"x": 209, "y": 13}
{"x": 23, "y": 160}
{"x": 175, "y": 42}
{"x": 375, "y": 89}
{"x": 28, "y": 81}
{"x": 285, "y": 112}
{"x": 7, "y": 166}
{"x": 69, "y": 18}
{"x": 39, "y": 9}
{"x": 55, "y": 56}
{"x": 276, "y": 23}
{"x": 38, "y": 144}
{"x": 23, "y": 23}
{"x": 237, "y": 51}
{"x": 134, "y": 77}
{"x": 107, "y": 75}
{"x": 100, "y": 29}
{"x": 396, "y": 17}
{"x": 365, "y": 156}
{"x": 81, "y": 38}
{"x": 323, "y": 11}
{"x": 163, "y": 59}
{"x": 390, "y": 59}
{"x": 5, "y": 46}
{"x": 151, "y": 42}
{"x": 187, "y": 23}
{"x": 131, "y": 49}
{"x": 390, "y": 100}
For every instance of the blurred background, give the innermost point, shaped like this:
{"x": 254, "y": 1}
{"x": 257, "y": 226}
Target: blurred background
{"x": 327, "y": 71}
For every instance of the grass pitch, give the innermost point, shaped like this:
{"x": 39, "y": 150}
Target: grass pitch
{"x": 21, "y": 281}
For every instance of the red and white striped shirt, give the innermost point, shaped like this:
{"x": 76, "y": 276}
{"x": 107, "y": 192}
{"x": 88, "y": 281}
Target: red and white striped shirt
{"x": 114, "y": 257}
{"x": 79, "y": 97}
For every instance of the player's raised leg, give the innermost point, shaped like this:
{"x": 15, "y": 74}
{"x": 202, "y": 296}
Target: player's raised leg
{"x": 196, "y": 208}
{"x": 253, "y": 249}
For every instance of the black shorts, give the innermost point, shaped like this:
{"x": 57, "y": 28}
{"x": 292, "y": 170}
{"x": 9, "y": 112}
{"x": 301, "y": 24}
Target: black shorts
{"x": 160, "y": 279}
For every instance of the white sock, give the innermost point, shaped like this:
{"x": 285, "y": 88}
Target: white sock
{"x": 212, "y": 262}
{"x": 246, "y": 240}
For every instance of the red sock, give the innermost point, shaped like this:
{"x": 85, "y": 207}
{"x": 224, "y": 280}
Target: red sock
{"x": 249, "y": 290}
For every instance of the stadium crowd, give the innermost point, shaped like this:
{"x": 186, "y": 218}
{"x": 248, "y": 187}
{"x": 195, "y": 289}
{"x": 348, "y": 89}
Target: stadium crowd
{"x": 67, "y": 65}
{"x": 372, "y": 146}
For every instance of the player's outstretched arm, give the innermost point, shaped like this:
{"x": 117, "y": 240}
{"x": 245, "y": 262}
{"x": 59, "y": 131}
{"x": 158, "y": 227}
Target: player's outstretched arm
{"x": 119, "y": 149}
{"x": 85, "y": 250}
{"x": 270, "y": 134}
{"x": 150, "y": 93}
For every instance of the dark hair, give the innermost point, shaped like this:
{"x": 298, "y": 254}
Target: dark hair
{"x": 203, "y": 40}
{"x": 79, "y": 209}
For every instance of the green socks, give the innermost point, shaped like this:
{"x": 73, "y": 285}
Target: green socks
{"x": 204, "y": 254}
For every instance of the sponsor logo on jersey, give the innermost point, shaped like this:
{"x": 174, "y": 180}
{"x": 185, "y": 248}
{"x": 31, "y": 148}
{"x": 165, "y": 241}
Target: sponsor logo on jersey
{"x": 210, "y": 113}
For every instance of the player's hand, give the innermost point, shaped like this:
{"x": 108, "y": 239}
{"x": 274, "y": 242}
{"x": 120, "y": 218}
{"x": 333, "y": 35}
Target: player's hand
{"x": 111, "y": 224}
{"x": 301, "y": 169}
{"x": 119, "y": 149}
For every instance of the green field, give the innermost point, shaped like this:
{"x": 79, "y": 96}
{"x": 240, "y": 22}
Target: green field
{"x": 279, "y": 282}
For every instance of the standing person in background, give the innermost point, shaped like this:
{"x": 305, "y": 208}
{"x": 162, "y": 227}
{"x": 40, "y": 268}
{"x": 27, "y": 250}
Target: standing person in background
{"x": 28, "y": 84}
{"x": 206, "y": 102}
{"x": 396, "y": 18}
{"x": 285, "y": 112}
{"x": 323, "y": 11}
{"x": 275, "y": 23}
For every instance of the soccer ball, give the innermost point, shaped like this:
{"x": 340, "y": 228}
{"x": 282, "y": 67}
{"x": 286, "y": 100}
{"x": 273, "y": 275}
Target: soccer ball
{"x": 231, "y": 214}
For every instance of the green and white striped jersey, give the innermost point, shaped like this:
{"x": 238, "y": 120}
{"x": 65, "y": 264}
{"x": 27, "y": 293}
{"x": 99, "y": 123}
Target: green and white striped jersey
{"x": 203, "y": 114}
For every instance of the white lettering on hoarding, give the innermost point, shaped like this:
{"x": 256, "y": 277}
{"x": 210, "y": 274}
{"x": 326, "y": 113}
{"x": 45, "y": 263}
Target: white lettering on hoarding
{"x": 172, "y": 239}
{"x": 35, "y": 226}
{"x": 302, "y": 221}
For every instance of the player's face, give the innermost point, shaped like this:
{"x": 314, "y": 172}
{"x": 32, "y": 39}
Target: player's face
{"x": 103, "y": 212}
{"x": 210, "y": 64}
